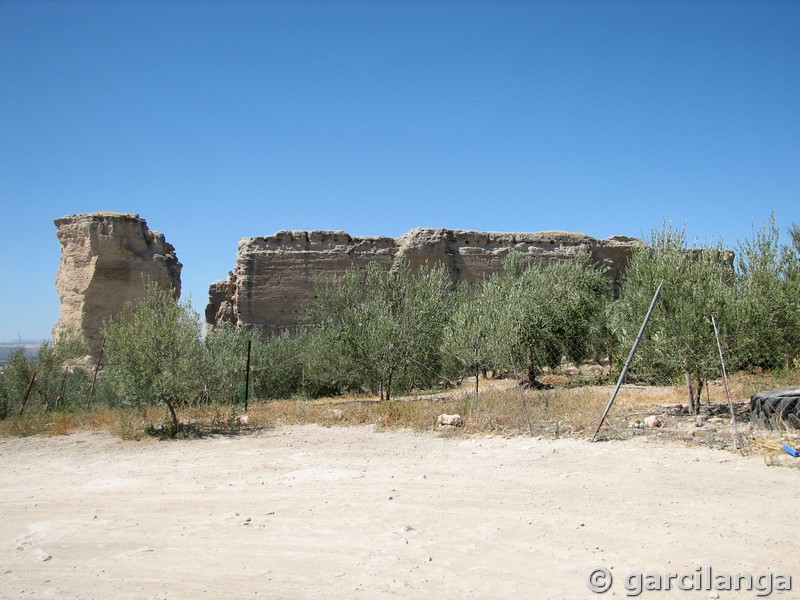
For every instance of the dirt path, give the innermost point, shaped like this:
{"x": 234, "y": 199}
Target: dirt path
{"x": 313, "y": 512}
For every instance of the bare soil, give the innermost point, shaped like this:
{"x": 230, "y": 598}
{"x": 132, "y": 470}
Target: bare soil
{"x": 308, "y": 511}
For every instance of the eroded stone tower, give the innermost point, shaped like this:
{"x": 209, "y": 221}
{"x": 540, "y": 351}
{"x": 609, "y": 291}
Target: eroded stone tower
{"x": 106, "y": 258}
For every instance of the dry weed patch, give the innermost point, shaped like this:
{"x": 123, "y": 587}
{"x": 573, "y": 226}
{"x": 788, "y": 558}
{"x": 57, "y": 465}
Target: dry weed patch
{"x": 501, "y": 408}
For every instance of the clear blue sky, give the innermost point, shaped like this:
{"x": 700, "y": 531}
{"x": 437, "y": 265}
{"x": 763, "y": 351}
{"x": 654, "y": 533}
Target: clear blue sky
{"x": 217, "y": 120}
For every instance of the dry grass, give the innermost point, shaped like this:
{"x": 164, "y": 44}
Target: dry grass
{"x": 501, "y": 408}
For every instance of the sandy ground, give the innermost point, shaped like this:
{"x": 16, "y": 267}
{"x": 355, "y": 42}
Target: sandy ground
{"x": 314, "y": 512}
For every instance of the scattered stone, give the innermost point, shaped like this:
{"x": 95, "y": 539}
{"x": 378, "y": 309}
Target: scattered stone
{"x": 243, "y": 420}
{"x": 637, "y": 424}
{"x": 449, "y": 421}
{"x": 44, "y": 556}
{"x": 653, "y": 421}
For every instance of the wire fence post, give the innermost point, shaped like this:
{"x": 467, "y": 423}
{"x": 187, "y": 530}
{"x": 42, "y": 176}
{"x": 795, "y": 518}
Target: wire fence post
{"x": 630, "y": 359}
{"x": 96, "y": 368}
{"x": 247, "y": 376}
{"x": 27, "y": 393}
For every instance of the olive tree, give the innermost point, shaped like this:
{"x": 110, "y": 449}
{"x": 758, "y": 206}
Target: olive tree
{"x": 544, "y": 314}
{"x": 60, "y": 382}
{"x": 679, "y": 339}
{"x": 155, "y": 354}
{"x": 465, "y": 343}
{"x": 225, "y": 361}
{"x": 388, "y": 324}
{"x": 768, "y": 299}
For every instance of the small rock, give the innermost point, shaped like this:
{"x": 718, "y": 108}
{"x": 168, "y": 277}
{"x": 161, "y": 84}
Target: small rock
{"x": 700, "y": 420}
{"x": 243, "y": 420}
{"x": 637, "y": 424}
{"x": 449, "y": 421}
{"x": 44, "y": 556}
{"x": 653, "y": 421}
{"x": 714, "y": 595}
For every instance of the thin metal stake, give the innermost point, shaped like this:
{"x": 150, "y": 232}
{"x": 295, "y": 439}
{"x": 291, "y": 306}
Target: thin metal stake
{"x": 736, "y": 442}
{"x": 630, "y": 359}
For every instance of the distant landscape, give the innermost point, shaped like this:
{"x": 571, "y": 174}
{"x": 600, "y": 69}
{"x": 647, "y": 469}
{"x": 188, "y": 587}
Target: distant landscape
{"x": 30, "y": 347}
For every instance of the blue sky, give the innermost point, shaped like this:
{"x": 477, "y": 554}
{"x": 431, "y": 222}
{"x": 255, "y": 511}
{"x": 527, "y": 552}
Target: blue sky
{"x": 228, "y": 119}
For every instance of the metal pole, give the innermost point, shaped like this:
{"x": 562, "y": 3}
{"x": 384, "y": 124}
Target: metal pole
{"x": 736, "y": 441}
{"x": 630, "y": 359}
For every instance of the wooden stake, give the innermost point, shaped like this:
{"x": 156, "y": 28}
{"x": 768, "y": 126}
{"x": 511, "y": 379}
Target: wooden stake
{"x": 247, "y": 376}
{"x": 27, "y": 393}
{"x": 96, "y": 368}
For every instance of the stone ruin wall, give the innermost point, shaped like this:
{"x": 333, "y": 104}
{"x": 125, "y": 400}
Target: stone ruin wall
{"x": 105, "y": 259}
{"x": 275, "y": 277}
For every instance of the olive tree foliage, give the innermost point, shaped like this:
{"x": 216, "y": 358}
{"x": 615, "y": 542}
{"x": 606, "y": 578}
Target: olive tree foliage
{"x": 60, "y": 383}
{"x": 281, "y": 365}
{"x": 326, "y": 368}
{"x": 467, "y": 335}
{"x": 278, "y": 363}
{"x": 679, "y": 340}
{"x": 225, "y": 361}
{"x": 768, "y": 300}
{"x": 155, "y": 353}
{"x": 542, "y": 314}
{"x": 388, "y": 324}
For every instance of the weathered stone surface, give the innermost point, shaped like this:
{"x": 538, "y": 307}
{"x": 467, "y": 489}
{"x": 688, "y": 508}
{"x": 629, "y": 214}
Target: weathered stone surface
{"x": 276, "y": 276}
{"x": 445, "y": 420}
{"x": 106, "y": 258}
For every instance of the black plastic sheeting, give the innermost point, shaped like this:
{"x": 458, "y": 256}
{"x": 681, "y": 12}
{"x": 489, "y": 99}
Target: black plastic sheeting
{"x": 776, "y": 409}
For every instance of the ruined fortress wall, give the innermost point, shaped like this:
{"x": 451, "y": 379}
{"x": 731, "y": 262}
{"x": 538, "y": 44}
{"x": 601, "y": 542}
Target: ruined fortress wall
{"x": 105, "y": 258}
{"x": 275, "y": 277}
